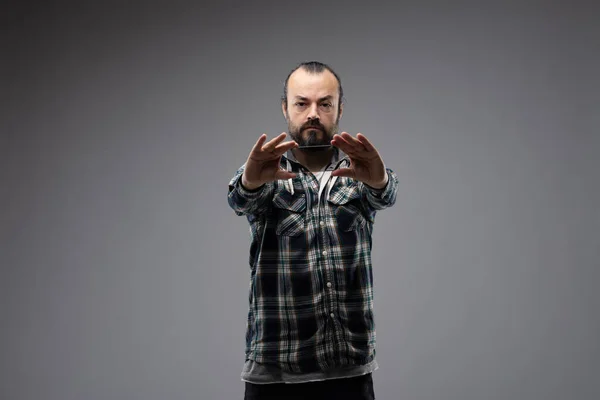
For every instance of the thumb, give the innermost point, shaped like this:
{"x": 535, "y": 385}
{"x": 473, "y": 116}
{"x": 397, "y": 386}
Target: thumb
{"x": 283, "y": 174}
{"x": 347, "y": 172}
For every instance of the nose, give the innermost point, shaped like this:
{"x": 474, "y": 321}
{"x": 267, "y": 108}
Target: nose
{"x": 313, "y": 112}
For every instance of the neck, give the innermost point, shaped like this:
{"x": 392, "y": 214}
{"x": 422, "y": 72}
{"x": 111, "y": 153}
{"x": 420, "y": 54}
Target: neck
{"x": 313, "y": 160}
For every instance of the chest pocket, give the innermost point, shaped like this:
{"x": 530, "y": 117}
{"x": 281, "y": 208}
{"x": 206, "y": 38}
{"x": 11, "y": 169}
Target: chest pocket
{"x": 346, "y": 202}
{"x": 290, "y": 212}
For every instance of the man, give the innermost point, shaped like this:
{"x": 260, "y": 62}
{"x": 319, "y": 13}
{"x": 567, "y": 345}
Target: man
{"x": 311, "y": 205}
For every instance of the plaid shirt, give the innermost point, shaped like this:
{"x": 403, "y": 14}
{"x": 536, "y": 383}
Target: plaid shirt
{"x": 311, "y": 280}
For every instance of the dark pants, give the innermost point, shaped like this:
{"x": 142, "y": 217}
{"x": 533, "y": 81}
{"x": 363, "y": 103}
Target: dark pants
{"x": 355, "y": 388}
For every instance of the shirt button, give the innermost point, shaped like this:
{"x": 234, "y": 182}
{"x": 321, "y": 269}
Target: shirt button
{"x": 331, "y": 315}
{"x": 328, "y": 284}
{"x": 324, "y": 252}
{"x": 322, "y": 223}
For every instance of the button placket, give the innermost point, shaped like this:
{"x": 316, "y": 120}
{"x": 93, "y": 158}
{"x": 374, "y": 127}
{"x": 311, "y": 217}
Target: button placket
{"x": 328, "y": 272}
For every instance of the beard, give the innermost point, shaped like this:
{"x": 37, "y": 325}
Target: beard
{"x": 312, "y": 134}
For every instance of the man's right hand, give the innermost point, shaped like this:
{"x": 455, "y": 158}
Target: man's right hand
{"x": 262, "y": 165}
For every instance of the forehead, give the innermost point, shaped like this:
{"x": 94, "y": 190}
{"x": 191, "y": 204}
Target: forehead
{"x": 305, "y": 84}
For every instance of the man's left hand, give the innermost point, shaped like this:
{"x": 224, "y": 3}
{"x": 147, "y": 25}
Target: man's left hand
{"x": 366, "y": 165}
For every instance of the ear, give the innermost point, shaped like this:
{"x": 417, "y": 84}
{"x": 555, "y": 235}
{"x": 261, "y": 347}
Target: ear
{"x": 283, "y": 109}
{"x": 341, "y": 111}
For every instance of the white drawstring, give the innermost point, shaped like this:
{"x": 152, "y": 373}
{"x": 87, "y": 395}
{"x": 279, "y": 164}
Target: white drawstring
{"x": 289, "y": 184}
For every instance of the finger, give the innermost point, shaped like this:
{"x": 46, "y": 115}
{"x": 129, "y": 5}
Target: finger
{"x": 283, "y": 174}
{"x": 284, "y": 147}
{"x": 365, "y": 142}
{"x": 353, "y": 141}
{"x": 348, "y": 172}
{"x": 340, "y": 142}
{"x": 342, "y": 137}
{"x": 345, "y": 146}
{"x": 270, "y": 146}
{"x": 258, "y": 145}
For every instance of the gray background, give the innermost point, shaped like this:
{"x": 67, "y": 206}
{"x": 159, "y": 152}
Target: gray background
{"x": 124, "y": 273}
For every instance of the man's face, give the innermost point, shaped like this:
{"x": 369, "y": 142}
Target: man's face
{"x": 312, "y": 107}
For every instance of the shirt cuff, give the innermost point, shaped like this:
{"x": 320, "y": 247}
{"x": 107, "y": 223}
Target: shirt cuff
{"x": 247, "y": 192}
{"x": 379, "y": 192}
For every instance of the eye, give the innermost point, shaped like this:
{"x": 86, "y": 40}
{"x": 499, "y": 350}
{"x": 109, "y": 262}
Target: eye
{"x": 326, "y": 104}
{"x": 300, "y": 104}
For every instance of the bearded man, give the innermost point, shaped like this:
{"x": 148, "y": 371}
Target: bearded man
{"x": 311, "y": 203}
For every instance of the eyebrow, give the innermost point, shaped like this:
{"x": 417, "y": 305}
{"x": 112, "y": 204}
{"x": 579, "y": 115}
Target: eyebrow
{"x": 329, "y": 97}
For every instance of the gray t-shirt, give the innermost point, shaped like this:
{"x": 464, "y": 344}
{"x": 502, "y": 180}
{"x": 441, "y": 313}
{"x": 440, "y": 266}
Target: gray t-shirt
{"x": 254, "y": 372}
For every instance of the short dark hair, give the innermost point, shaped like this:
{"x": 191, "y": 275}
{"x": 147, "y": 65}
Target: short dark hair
{"x": 314, "y": 67}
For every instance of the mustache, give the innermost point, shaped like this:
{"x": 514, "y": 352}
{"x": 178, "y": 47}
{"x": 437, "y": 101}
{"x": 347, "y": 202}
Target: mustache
{"x": 316, "y": 124}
